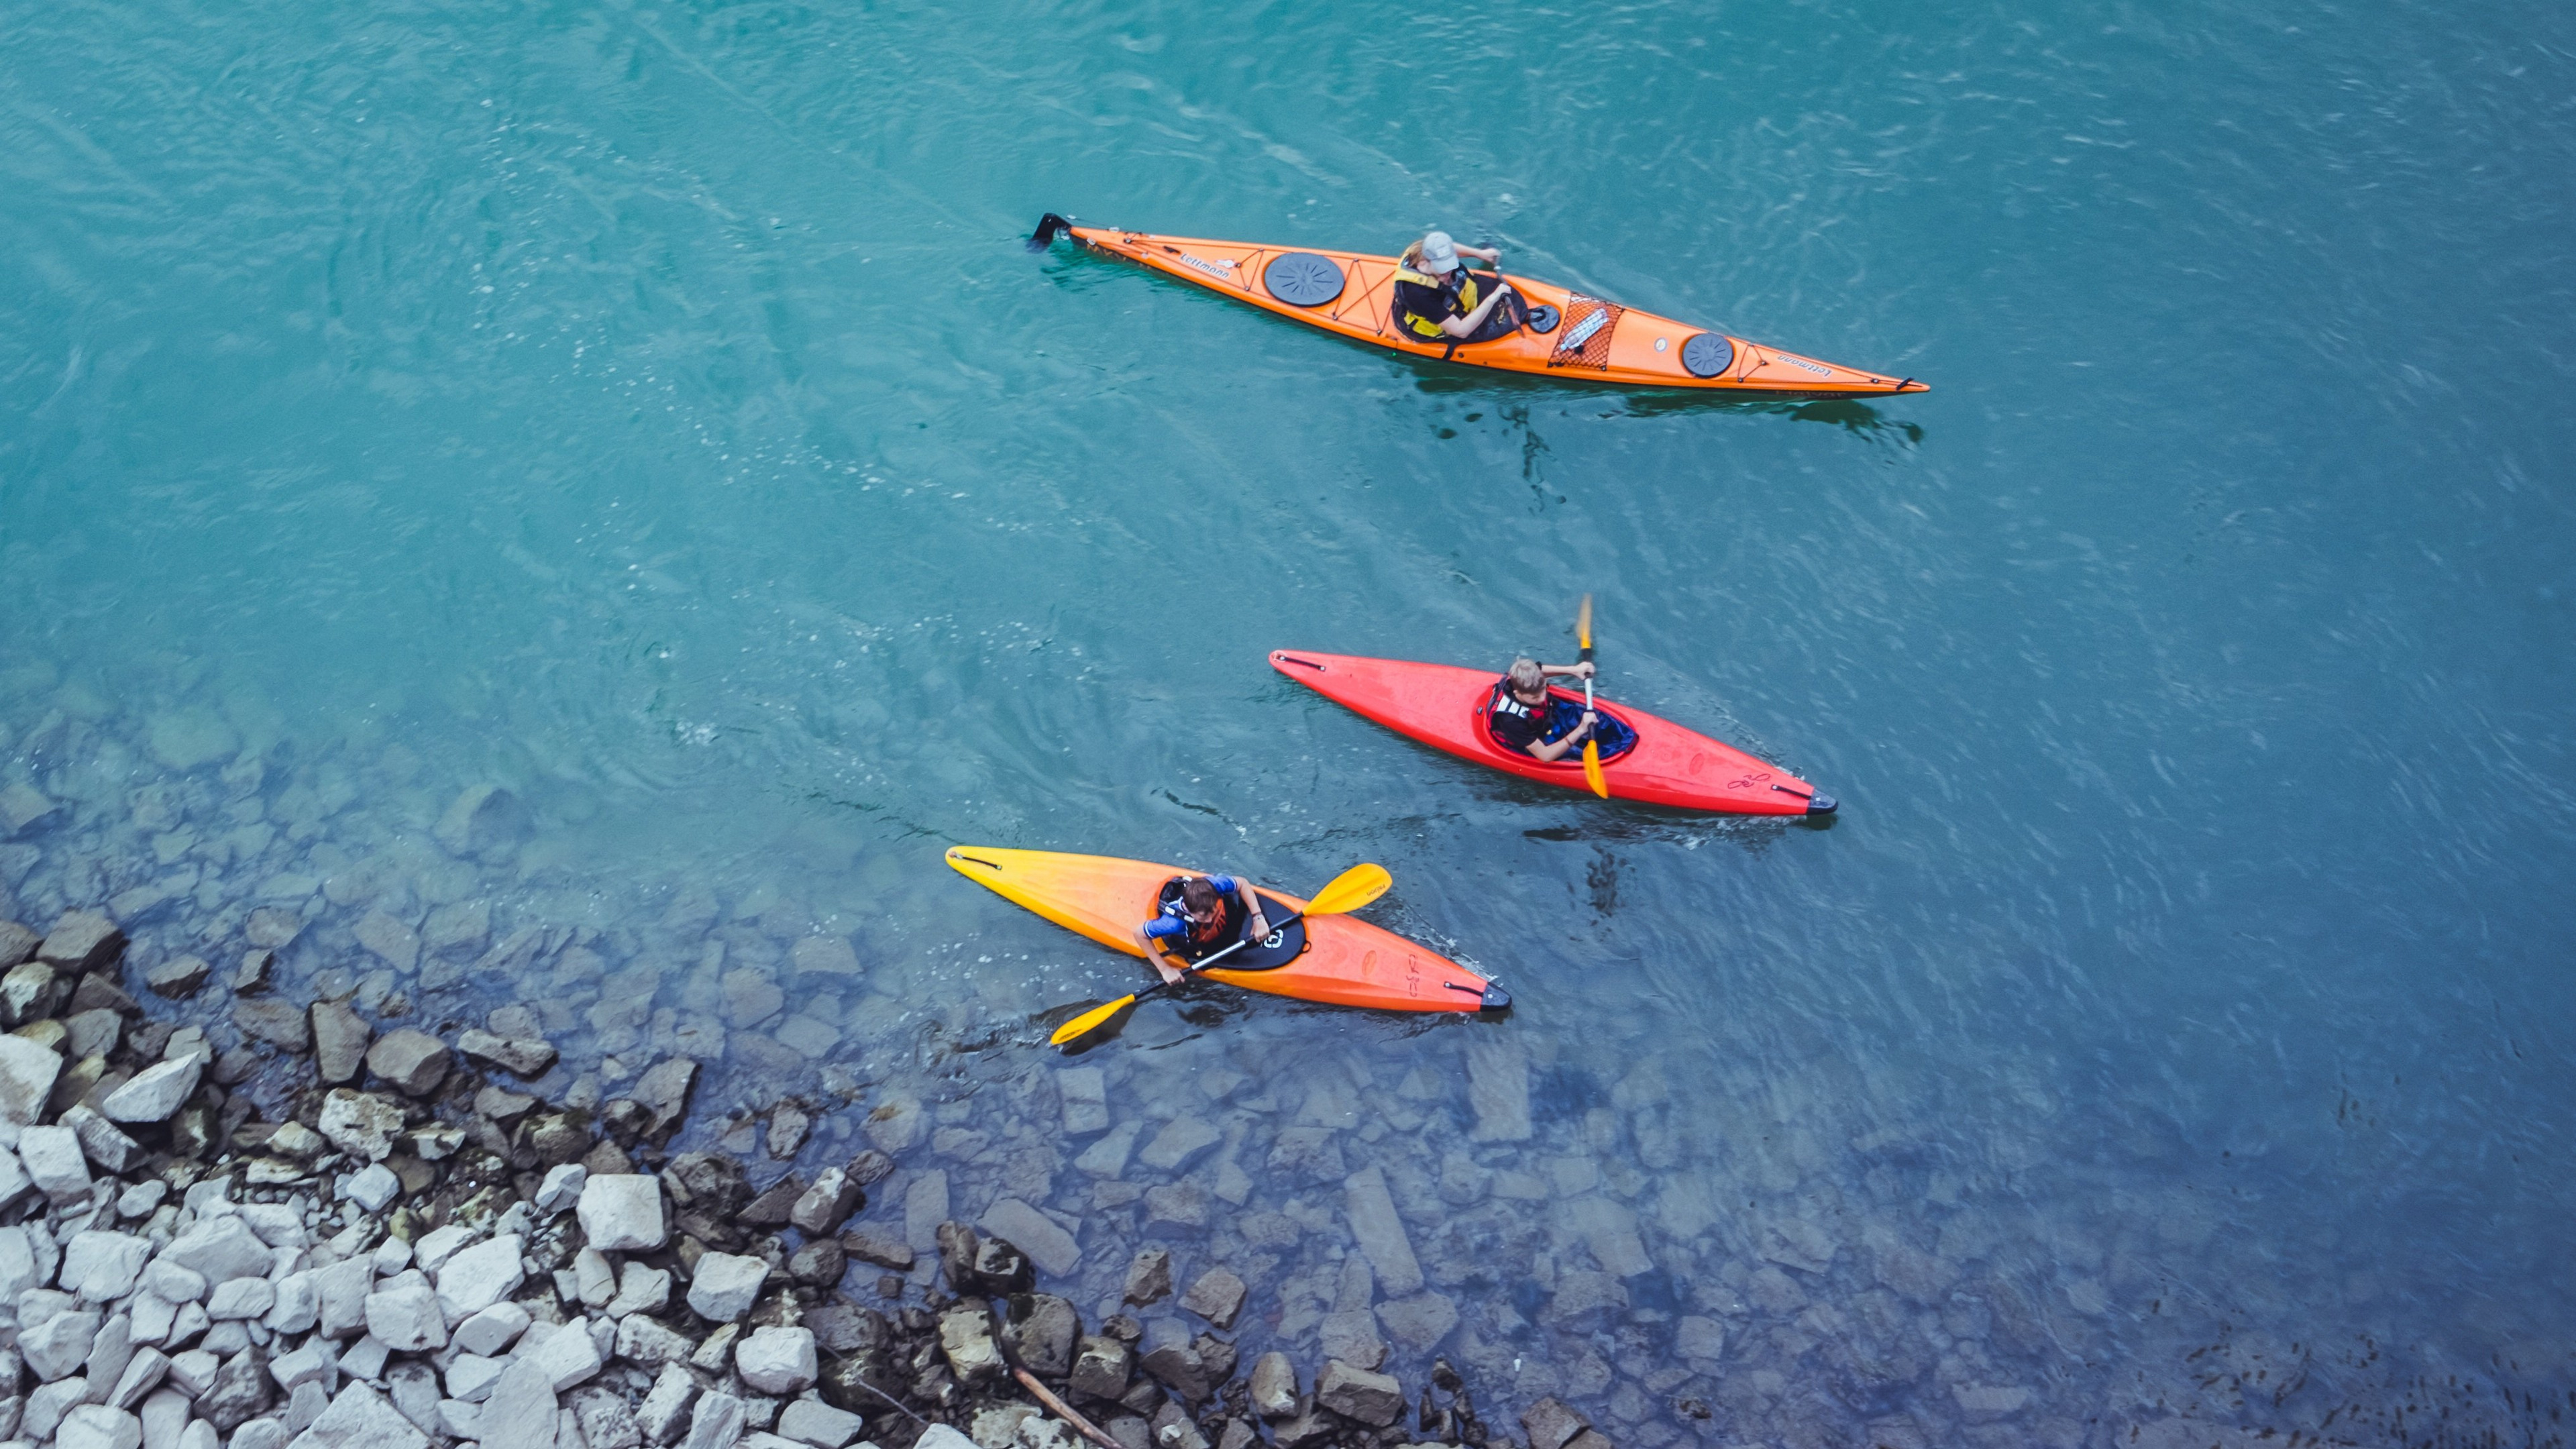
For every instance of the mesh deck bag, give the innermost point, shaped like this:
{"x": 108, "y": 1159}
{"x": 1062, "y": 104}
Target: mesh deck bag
{"x": 1583, "y": 338}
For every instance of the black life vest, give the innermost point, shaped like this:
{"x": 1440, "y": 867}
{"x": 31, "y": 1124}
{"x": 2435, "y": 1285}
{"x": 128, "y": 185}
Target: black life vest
{"x": 1458, "y": 291}
{"x": 1502, "y": 703}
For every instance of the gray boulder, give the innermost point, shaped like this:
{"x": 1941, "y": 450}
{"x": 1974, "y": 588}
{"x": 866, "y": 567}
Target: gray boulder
{"x": 622, "y": 1213}
{"x": 483, "y": 819}
{"x": 412, "y": 1062}
{"x": 27, "y": 1073}
{"x": 1359, "y": 1395}
{"x": 725, "y": 1286}
{"x": 520, "y": 1056}
{"x": 81, "y": 941}
{"x": 339, "y": 1041}
{"x": 156, "y": 1092}
{"x": 777, "y": 1361}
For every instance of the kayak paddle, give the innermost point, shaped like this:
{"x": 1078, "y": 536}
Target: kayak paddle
{"x": 1592, "y": 741}
{"x": 1347, "y": 892}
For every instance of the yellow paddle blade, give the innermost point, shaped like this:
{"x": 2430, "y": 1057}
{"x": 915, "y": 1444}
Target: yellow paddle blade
{"x": 1350, "y": 890}
{"x": 1592, "y": 769}
{"x": 1089, "y": 1021}
{"x": 1583, "y": 624}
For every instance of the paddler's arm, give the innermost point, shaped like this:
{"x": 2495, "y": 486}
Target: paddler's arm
{"x": 1577, "y": 671}
{"x": 1153, "y": 949}
{"x": 1255, "y": 924}
{"x": 1461, "y": 326}
{"x": 1555, "y": 751}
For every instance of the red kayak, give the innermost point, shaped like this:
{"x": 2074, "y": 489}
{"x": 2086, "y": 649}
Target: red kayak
{"x": 1446, "y": 707}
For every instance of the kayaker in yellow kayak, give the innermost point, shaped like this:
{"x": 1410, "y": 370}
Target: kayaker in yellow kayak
{"x": 1437, "y": 297}
{"x": 1197, "y": 916}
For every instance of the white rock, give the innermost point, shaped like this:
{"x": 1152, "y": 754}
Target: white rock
{"x": 96, "y": 1426}
{"x": 174, "y": 1282}
{"x": 365, "y": 1358}
{"x": 153, "y": 1315}
{"x": 201, "y": 1435}
{"x": 405, "y": 1315}
{"x": 647, "y": 1343}
{"x": 263, "y": 1432}
{"x": 57, "y": 1347}
{"x": 298, "y": 1306}
{"x": 14, "y": 1181}
{"x": 360, "y": 1418}
{"x": 438, "y": 1246}
{"x": 374, "y": 1187}
{"x": 278, "y": 1224}
{"x": 717, "y": 1423}
{"x": 53, "y": 1159}
{"x": 344, "y": 1287}
{"x": 27, "y": 1073}
{"x": 46, "y": 1408}
{"x": 622, "y": 1213}
{"x": 471, "y": 1377}
{"x": 17, "y": 1263}
{"x": 143, "y": 1373}
{"x": 568, "y": 1355}
{"x": 219, "y": 1250}
{"x": 562, "y": 1187}
{"x": 360, "y": 1124}
{"x": 155, "y": 1092}
{"x": 811, "y": 1421}
{"x": 391, "y": 1257}
{"x": 102, "y": 1267}
{"x": 726, "y": 1286}
{"x": 779, "y": 1361}
{"x": 193, "y": 1372}
{"x": 521, "y": 1411}
{"x": 594, "y": 1278}
{"x": 640, "y": 1289}
{"x": 479, "y": 1277}
{"x": 241, "y": 1298}
{"x": 164, "y": 1415}
{"x": 667, "y": 1406}
{"x": 492, "y": 1330}
{"x": 310, "y": 1364}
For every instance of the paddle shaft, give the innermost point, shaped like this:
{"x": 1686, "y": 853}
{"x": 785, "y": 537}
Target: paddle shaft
{"x": 1196, "y": 967}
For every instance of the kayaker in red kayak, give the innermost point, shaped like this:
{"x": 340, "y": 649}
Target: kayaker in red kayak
{"x": 1527, "y": 718}
{"x": 1198, "y": 915}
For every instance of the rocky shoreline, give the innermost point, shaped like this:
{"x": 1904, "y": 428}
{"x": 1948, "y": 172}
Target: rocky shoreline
{"x": 414, "y": 1253}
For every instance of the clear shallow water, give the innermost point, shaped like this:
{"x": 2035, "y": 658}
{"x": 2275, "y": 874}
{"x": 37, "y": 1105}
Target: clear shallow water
{"x": 649, "y": 409}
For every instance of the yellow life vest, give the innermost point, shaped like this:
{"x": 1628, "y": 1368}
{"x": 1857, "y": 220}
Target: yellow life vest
{"x": 1430, "y": 326}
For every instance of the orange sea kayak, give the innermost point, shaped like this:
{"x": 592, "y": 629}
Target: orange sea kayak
{"x": 1335, "y": 959}
{"x": 1594, "y": 340}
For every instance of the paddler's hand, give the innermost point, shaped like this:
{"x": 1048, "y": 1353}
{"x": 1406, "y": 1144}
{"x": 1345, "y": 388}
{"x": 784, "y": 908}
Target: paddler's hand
{"x": 1589, "y": 720}
{"x": 1582, "y": 670}
{"x": 1260, "y": 927}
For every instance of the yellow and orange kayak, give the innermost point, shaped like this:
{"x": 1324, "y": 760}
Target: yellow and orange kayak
{"x": 1335, "y": 959}
{"x": 1593, "y": 339}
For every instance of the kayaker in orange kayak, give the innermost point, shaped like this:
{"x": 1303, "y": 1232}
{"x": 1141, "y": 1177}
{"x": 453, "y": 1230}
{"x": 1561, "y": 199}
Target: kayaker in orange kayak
{"x": 1527, "y": 718}
{"x": 1197, "y": 916}
{"x": 1437, "y": 297}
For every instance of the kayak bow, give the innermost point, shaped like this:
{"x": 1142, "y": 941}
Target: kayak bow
{"x": 1340, "y": 960}
{"x": 1351, "y": 294}
{"x": 1445, "y": 707}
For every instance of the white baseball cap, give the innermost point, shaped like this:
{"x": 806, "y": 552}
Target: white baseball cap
{"x": 1439, "y": 253}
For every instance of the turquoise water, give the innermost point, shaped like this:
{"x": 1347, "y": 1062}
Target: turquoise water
{"x": 651, "y": 410}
